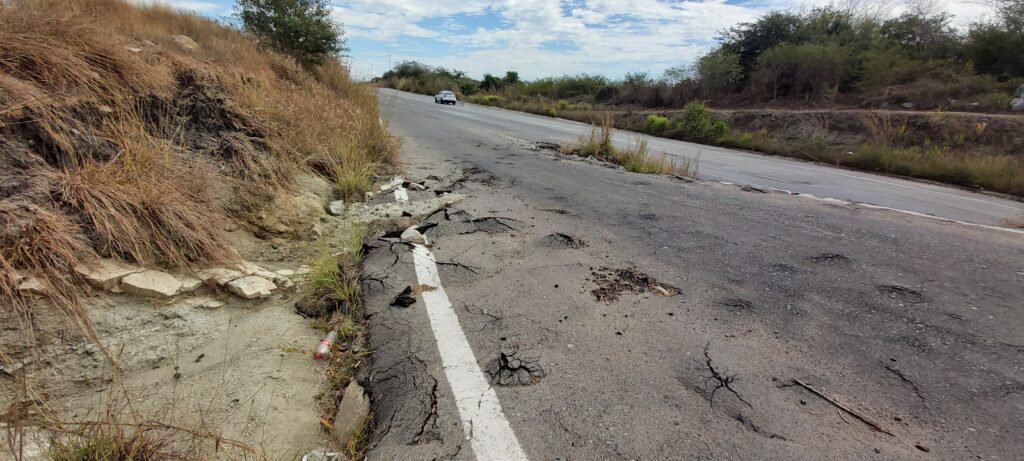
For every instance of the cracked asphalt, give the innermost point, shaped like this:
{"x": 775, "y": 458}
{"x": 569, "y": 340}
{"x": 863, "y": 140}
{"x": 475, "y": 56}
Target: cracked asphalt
{"x": 744, "y": 325}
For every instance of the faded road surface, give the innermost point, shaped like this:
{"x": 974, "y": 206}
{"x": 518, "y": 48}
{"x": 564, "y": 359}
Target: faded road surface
{"x": 722, "y": 164}
{"x": 624, "y": 316}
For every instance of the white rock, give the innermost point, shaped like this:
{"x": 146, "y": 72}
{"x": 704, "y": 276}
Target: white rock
{"x": 352, "y": 413}
{"x": 151, "y": 283}
{"x": 189, "y": 284}
{"x": 285, "y": 272}
{"x": 320, "y": 454}
{"x": 395, "y": 182}
{"x": 32, "y": 285}
{"x": 219, "y": 275}
{"x": 249, "y": 268}
{"x": 212, "y": 304}
{"x": 412, "y": 235}
{"x": 133, "y": 49}
{"x": 284, "y": 282}
{"x": 417, "y": 186}
{"x": 106, "y": 273}
{"x": 1017, "y": 105}
{"x": 336, "y": 208}
{"x": 251, "y": 287}
{"x": 185, "y": 42}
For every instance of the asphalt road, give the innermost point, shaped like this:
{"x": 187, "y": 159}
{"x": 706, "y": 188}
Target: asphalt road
{"x": 723, "y": 164}
{"x": 661, "y": 319}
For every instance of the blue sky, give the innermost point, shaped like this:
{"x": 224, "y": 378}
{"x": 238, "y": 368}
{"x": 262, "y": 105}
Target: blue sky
{"x": 541, "y": 38}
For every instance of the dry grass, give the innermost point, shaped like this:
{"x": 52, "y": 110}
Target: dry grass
{"x": 110, "y": 113}
{"x": 42, "y": 243}
{"x": 120, "y": 433}
{"x": 637, "y": 158}
{"x": 884, "y": 131}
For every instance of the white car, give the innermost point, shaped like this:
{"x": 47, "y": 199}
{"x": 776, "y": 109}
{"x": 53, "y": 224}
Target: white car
{"x": 445, "y": 97}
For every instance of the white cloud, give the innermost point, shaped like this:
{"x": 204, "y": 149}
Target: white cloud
{"x": 608, "y": 37}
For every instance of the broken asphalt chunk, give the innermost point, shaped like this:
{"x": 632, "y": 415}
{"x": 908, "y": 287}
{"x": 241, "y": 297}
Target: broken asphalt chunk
{"x": 404, "y": 299}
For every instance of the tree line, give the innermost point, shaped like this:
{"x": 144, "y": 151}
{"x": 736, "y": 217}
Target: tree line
{"x": 821, "y": 55}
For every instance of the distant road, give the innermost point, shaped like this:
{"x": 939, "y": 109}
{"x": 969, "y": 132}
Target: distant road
{"x": 723, "y": 164}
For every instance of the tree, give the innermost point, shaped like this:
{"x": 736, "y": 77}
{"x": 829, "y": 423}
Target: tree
{"x": 511, "y": 78}
{"x": 749, "y": 40}
{"x": 678, "y": 74}
{"x": 718, "y": 70}
{"x": 491, "y": 83}
{"x": 923, "y": 35}
{"x": 995, "y": 48}
{"x": 303, "y": 29}
{"x": 808, "y": 70}
{"x": 636, "y": 80}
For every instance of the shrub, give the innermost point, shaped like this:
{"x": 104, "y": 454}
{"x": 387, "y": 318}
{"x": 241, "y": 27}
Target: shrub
{"x": 698, "y": 123}
{"x": 995, "y": 50}
{"x": 884, "y": 67}
{"x": 301, "y": 28}
{"x": 719, "y": 70}
{"x": 656, "y": 124}
{"x": 487, "y": 99}
{"x": 808, "y": 70}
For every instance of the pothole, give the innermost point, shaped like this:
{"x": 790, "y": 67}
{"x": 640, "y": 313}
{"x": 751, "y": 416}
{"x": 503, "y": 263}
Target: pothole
{"x": 830, "y": 258}
{"x": 737, "y": 304}
{"x": 490, "y": 225}
{"x": 511, "y": 368}
{"x": 613, "y": 282}
{"x": 900, "y": 293}
{"x": 560, "y": 240}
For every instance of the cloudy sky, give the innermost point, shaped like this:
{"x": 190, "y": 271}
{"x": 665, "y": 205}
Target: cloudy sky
{"x": 544, "y": 37}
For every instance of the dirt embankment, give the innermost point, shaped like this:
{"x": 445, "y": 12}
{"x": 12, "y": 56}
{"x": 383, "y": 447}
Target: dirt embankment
{"x": 971, "y": 133}
{"x": 983, "y": 134}
{"x": 162, "y": 183}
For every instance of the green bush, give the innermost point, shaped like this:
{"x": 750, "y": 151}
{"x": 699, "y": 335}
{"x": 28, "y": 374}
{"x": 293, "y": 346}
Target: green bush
{"x": 656, "y": 124}
{"x": 719, "y": 70}
{"x": 884, "y": 67}
{"x": 808, "y": 70}
{"x": 487, "y": 99}
{"x": 698, "y": 123}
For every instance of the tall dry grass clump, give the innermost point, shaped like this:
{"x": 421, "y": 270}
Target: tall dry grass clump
{"x": 637, "y": 158}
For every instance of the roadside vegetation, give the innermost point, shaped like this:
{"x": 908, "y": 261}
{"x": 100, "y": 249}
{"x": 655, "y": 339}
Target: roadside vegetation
{"x": 812, "y": 84}
{"x": 140, "y": 133}
{"x": 333, "y": 298}
{"x": 636, "y": 158}
{"x": 137, "y": 132}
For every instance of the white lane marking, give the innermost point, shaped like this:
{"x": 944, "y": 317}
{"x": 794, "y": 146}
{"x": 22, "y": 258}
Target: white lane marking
{"x": 401, "y": 196}
{"x": 754, "y": 156}
{"x": 483, "y": 422}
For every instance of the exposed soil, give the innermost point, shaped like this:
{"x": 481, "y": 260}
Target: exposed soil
{"x": 611, "y": 283}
